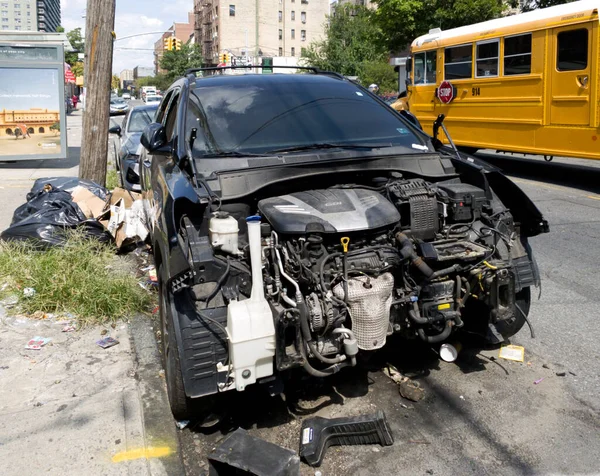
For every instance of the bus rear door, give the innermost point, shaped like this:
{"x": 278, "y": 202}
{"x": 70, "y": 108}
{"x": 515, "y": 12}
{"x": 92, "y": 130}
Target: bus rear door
{"x": 571, "y": 79}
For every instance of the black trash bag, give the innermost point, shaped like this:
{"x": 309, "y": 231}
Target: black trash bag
{"x": 45, "y": 218}
{"x": 68, "y": 184}
{"x": 56, "y": 203}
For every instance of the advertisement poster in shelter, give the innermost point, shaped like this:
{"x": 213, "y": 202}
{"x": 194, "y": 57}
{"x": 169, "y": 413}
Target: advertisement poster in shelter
{"x": 32, "y": 108}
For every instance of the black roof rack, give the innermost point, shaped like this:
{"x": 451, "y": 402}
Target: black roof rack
{"x": 304, "y": 68}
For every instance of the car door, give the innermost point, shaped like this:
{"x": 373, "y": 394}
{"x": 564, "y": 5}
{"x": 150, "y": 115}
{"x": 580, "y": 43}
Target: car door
{"x": 157, "y": 168}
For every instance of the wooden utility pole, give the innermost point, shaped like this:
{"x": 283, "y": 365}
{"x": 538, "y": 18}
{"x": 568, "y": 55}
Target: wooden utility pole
{"x": 99, "y": 27}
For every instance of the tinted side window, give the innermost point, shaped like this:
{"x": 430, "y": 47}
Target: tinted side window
{"x": 171, "y": 122}
{"x": 487, "y": 58}
{"x": 458, "y": 62}
{"x": 572, "y": 50}
{"x": 517, "y": 55}
{"x": 160, "y": 114}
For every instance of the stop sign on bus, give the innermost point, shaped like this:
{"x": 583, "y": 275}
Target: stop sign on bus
{"x": 445, "y": 92}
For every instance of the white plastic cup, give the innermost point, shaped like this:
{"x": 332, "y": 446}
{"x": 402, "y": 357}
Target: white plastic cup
{"x": 448, "y": 352}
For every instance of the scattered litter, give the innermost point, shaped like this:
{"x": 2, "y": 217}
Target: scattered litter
{"x": 561, "y": 374}
{"x": 38, "y": 404}
{"x": 545, "y": 366}
{"x": 28, "y": 292}
{"x": 393, "y": 373}
{"x": 181, "y": 424}
{"x": 69, "y": 328}
{"x": 161, "y": 373}
{"x": 318, "y": 434}
{"x": 411, "y": 390}
{"x": 573, "y": 373}
{"x": 461, "y": 397}
{"x": 318, "y": 473}
{"x": 512, "y": 352}
{"x": 449, "y": 352}
{"x": 375, "y": 449}
{"x": 155, "y": 310}
{"x": 103, "y": 332}
{"x": 241, "y": 453}
{"x": 403, "y": 405}
{"x": 153, "y": 275}
{"x": 538, "y": 381}
{"x": 107, "y": 342}
{"x": 37, "y": 343}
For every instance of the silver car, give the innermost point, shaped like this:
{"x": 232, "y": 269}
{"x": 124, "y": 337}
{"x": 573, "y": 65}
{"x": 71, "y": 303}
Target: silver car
{"x": 118, "y": 106}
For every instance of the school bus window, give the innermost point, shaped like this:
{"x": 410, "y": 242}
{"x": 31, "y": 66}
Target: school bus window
{"x": 572, "y": 50}
{"x": 487, "y": 58}
{"x": 517, "y": 55}
{"x": 425, "y": 67}
{"x": 458, "y": 62}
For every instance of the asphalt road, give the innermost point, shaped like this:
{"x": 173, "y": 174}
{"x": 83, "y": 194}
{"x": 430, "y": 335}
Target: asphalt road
{"x": 480, "y": 415}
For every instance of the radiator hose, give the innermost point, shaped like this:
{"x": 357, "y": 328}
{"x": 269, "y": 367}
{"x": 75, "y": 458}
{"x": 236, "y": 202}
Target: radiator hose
{"x": 438, "y": 337}
{"x": 307, "y": 337}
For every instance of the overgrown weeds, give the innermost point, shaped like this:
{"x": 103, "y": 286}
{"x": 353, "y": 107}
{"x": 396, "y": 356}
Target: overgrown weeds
{"x": 83, "y": 277}
{"x": 113, "y": 180}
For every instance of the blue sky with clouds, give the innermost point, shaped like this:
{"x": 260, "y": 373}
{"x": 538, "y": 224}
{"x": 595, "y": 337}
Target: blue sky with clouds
{"x": 132, "y": 17}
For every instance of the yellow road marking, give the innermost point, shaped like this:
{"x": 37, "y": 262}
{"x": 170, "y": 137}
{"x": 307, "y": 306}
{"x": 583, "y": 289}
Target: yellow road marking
{"x": 139, "y": 453}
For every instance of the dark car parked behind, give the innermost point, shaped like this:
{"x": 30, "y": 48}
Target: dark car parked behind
{"x": 126, "y": 149}
{"x": 298, "y": 221}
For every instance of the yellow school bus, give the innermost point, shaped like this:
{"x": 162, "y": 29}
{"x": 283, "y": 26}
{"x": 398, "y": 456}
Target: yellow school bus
{"x": 525, "y": 83}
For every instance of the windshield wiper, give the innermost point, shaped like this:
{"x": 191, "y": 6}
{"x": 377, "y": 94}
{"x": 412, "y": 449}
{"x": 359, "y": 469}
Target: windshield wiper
{"x": 231, "y": 153}
{"x": 326, "y": 145}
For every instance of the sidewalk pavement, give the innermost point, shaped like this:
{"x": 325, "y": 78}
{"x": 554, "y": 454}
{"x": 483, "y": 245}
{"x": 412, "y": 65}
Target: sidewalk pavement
{"x": 73, "y": 408}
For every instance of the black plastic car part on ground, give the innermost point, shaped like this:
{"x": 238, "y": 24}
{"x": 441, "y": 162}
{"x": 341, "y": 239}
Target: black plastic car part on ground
{"x": 298, "y": 221}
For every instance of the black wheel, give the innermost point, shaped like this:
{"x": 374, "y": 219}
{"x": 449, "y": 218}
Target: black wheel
{"x": 179, "y": 402}
{"x": 510, "y": 327}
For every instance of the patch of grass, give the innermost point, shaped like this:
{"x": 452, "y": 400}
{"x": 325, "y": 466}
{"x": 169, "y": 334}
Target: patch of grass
{"x": 83, "y": 277}
{"x": 113, "y": 179}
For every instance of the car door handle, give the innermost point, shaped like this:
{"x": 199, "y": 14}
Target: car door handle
{"x": 583, "y": 81}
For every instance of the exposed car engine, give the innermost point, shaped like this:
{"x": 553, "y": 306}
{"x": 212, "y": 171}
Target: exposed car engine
{"x": 331, "y": 273}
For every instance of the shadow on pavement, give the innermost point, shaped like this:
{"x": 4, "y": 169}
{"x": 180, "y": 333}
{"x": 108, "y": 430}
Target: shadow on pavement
{"x": 572, "y": 175}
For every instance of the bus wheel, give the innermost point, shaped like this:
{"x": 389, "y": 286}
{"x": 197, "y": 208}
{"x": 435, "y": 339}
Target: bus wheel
{"x": 548, "y": 158}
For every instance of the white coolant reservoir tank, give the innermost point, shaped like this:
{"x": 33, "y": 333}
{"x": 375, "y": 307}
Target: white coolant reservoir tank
{"x": 250, "y": 323}
{"x": 223, "y": 231}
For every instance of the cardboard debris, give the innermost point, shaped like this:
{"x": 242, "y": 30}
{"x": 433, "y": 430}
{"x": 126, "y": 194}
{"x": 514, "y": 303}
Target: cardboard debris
{"x": 91, "y": 205}
{"x": 126, "y": 219}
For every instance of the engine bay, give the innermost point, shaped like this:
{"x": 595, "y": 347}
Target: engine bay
{"x": 344, "y": 268}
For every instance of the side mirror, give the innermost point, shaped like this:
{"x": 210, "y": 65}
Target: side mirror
{"x": 154, "y": 139}
{"x": 115, "y": 130}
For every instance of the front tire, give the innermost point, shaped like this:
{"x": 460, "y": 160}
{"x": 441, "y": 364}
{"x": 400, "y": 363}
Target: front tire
{"x": 178, "y": 400}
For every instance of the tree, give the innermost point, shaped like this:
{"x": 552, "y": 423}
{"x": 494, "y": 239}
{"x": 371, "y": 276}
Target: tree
{"x": 78, "y": 44}
{"x": 175, "y": 62}
{"x": 77, "y": 69}
{"x": 352, "y": 40}
{"x": 529, "y": 5}
{"x": 401, "y": 21}
{"x": 115, "y": 82}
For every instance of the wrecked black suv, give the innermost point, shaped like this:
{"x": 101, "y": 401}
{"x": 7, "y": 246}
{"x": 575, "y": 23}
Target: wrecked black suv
{"x": 298, "y": 221}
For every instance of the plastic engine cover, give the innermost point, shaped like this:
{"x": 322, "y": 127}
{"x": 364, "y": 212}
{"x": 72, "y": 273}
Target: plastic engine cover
{"x": 329, "y": 211}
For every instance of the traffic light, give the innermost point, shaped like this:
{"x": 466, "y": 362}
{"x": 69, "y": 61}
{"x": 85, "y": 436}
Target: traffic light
{"x": 168, "y": 44}
{"x": 228, "y": 58}
{"x": 177, "y": 44}
{"x": 222, "y": 58}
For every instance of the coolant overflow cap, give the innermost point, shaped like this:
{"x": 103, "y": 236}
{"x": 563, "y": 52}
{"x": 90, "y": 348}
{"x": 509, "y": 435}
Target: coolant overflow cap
{"x": 253, "y": 218}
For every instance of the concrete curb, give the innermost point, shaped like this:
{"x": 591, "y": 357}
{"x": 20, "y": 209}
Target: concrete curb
{"x": 159, "y": 425}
